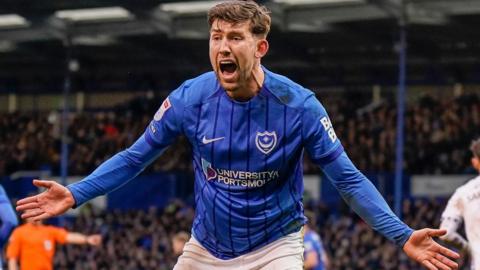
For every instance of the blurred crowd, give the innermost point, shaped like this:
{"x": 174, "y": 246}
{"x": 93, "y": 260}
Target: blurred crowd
{"x": 33, "y": 141}
{"x": 437, "y": 135}
{"x": 352, "y": 244}
{"x": 132, "y": 240}
{"x": 142, "y": 240}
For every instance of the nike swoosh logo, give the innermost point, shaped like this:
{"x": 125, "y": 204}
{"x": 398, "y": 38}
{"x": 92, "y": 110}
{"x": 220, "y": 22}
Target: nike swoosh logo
{"x": 207, "y": 141}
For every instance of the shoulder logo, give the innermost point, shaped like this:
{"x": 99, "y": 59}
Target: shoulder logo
{"x": 327, "y": 125}
{"x": 266, "y": 141}
{"x": 163, "y": 108}
{"x": 207, "y": 141}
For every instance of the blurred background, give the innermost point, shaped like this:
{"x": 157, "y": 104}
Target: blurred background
{"x": 80, "y": 81}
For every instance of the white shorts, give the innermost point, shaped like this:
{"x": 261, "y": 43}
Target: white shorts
{"x": 285, "y": 253}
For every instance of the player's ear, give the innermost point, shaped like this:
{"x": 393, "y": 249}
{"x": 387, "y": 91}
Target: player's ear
{"x": 262, "y": 48}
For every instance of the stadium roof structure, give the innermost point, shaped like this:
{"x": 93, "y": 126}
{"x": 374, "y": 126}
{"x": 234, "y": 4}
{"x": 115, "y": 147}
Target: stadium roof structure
{"x": 315, "y": 41}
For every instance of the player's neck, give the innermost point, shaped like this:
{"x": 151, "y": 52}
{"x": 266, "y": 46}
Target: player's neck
{"x": 251, "y": 88}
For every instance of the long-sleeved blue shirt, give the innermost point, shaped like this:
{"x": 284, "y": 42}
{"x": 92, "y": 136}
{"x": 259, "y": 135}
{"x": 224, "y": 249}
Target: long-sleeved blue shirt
{"x": 8, "y": 219}
{"x": 247, "y": 159}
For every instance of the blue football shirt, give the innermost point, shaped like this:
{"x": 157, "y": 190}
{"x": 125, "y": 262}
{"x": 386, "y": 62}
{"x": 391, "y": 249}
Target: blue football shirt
{"x": 313, "y": 243}
{"x": 247, "y": 157}
{"x": 247, "y": 160}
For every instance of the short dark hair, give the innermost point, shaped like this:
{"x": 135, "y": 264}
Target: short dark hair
{"x": 237, "y": 11}
{"x": 475, "y": 148}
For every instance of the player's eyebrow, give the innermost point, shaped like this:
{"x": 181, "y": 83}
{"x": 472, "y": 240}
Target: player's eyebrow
{"x": 233, "y": 32}
{"x": 216, "y": 30}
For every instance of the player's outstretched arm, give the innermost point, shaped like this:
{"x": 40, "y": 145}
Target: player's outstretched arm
{"x": 422, "y": 248}
{"x": 54, "y": 201}
{"x": 367, "y": 202}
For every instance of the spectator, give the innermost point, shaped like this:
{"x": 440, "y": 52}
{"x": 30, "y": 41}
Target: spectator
{"x": 32, "y": 245}
{"x": 315, "y": 256}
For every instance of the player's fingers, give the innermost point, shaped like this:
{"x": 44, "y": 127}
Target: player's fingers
{"x": 429, "y": 265}
{"x": 436, "y": 232}
{"x": 39, "y": 217}
{"x": 27, "y": 200}
{"x": 27, "y": 206}
{"x": 447, "y": 252}
{"x": 43, "y": 216}
{"x": 446, "y": 261}
{"x": 440, "y": 265}
{"x": 42, "y": 183}
{"x": 32, "y": 213}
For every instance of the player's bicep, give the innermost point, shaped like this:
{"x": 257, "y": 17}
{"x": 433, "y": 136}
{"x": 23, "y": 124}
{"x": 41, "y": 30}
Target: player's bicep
{"x": 320, "y": 138}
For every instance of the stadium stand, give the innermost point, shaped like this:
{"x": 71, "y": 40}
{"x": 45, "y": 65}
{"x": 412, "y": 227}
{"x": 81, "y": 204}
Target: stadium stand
{"x": 438, "y": 132}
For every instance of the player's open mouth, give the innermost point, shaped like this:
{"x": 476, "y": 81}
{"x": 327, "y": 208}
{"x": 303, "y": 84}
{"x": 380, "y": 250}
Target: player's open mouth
{"x": 227, "y": 67}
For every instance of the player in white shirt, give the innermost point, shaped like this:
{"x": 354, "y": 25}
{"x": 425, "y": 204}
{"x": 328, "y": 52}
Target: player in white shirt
{"x": 464, "y": 206}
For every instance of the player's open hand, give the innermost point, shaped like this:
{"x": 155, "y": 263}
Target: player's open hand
{"x": 55, "y": 200}
{"x": 422, "y": 248}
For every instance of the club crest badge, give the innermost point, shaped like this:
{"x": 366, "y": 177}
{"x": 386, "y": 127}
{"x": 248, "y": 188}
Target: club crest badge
{"x": 266, "y": 141}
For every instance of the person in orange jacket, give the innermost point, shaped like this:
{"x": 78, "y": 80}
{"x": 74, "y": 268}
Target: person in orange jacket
{"x": 32, "y": 245}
